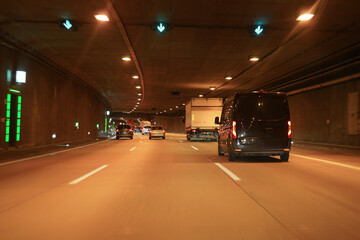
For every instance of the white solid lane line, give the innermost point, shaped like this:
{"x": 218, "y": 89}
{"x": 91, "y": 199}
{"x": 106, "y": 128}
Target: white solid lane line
{"x": 328, "y": 162}
{"x": 132, "y": 149}
{"x": 87, "y": 175}
{"x": 228, "y": 172}
{"x": 50, "y": 154}
{"x": 195, "y": 148}
{"x": 180, "y": 140}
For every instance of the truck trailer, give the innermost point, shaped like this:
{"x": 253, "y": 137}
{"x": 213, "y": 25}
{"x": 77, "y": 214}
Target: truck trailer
{"x": 199, "y": 118}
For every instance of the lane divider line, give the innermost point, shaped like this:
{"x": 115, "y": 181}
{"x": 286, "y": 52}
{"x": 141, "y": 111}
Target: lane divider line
{"x": 328, "y": 162}
{"x": 87, "y": 175}
{"x": 132, "y": 149}
{"x": 228, "y": 172}
{"x": 195, "y": 148}
{"x": 181, "y": 141}
{"x": 50, "y": 154}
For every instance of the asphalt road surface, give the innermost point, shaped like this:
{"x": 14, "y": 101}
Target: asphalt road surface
{"x": 173, "y": 189}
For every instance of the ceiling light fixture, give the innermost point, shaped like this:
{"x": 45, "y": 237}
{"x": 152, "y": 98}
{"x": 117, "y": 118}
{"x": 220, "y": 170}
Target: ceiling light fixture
{"x": 135, "y": 76}
{"x": 212, "y": 88}
{"x": 200, "y": 95}
{"x": 102, "y": 17}
{"x": 253, "y": 58}
{"x": 126, "y": 59}
{"x": 305, "y": 17}
{"x": 170, "y": 109}
{"x": 139, "y": 94}
{"x": 138, "y": 87}
{"x": 228, "y": 77}
{"x": 183, "y": 104}
{"x": 177, "y": 107}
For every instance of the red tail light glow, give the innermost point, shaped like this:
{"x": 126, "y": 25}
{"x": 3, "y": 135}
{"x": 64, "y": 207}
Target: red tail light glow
{"x": 163, "y": 130}
{"x": 117, "y": 130}
{"x": 233, "y": 129}
{"x": 289, "y": 131}
{"x": 194, "y": 131}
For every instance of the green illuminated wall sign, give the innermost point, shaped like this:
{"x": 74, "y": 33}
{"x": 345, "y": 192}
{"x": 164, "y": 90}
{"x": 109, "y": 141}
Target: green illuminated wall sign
{"x": 97, "y": 126}
{"x": 8, "y": 116}
{"x": 14, "y": 91}
{"x": 18, "y": 119}
{"x": 7, "y": 126}
{"x": 105, "y": 125}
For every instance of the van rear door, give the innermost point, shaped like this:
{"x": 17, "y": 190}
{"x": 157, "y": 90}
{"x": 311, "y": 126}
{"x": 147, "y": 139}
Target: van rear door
{"x": 273, "y": 119}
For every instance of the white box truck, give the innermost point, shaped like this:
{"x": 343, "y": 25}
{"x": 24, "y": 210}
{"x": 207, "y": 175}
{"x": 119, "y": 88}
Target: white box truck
{"x": 199, "y": 118}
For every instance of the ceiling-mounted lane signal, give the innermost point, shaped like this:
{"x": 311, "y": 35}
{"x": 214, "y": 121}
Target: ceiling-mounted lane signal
{"x": 257, "y": 30}
{"x": 68, "y": 24}
{"x": 161, "y": 27}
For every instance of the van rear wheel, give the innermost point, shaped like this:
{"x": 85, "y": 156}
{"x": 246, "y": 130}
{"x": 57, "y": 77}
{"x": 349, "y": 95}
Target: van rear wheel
{"x": 231, "y": 155}
{"x": 284, "y": 157}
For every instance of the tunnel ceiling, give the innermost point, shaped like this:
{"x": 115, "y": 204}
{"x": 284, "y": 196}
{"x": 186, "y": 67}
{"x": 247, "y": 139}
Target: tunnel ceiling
{"x": 207, "y": 41}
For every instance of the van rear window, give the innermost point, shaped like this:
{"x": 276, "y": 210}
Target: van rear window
{"x": 262, "y": 107}
{"x": 273, "y": 108}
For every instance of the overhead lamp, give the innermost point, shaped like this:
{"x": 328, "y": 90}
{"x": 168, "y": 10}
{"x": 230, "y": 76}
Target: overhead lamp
{"x": 183, "y": 104}
{"x": 200, "y": 95}
{"x": 164, "y": 110}
{"x": 139, "y": 94}
{"x": 138, "y": 103}
{"x": 135, "y": 76}
{"x": 212, "y": 88}
{"x": 160, "y": 112}
{"x": 139, "y": 99}
{"x": 305, "y": 17}
{"x": 126, "y": 59}
{"x": 177, "y": 107}
{"x": 253, "y": 58}
{"x": 102, "y": 17}
{"x": 228, "y": 77}
{"x": 170, "y": 109}
{"x": 138, "y": 87}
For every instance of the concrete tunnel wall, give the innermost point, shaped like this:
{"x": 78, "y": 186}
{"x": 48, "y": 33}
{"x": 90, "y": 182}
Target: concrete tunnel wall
{"x": 51, "y": 103}
{"x": 322, "y": 115}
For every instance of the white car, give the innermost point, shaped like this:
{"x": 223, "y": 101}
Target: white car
{"x": 157, "y": 131}
{"x": 146, "y": 130}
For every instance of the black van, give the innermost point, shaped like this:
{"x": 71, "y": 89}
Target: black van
{"x": 255, "y": 124}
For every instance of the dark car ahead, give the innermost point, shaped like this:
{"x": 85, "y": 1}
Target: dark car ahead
{"x": 255, "y": 124}
{"x": 124, "y": 131}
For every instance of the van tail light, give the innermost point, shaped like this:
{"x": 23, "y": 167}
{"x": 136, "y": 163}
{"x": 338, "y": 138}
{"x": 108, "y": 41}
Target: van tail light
{"x": 194, "y": 130}
{"x": 150, "y": 131}
{"x": 289, "y": 129}
{"x": 163, "y": 130}
{"x": 117, "y": 130}
{"x": 233, "y": 129}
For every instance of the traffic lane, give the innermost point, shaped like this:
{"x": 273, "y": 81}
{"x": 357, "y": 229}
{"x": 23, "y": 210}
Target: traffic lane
{"x": 315, "y": 200}
{"x": 161, "y": 190}
{"x": 21, "y": 181}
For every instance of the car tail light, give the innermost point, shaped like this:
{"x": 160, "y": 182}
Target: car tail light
{"x": 289, "y": 131}
{"x": 233, "y": 129}
{"x": 194, "y": 130}
{"x": 117, "y": 130}
{"x": 150, "y": 131}
{"x": 163, "y": 130}
{"x": 131, "y": 130}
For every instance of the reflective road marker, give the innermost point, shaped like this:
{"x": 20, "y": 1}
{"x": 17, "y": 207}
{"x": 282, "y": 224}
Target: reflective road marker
{"x": 195, "y": 148}
{"x": 132, "y": 149}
